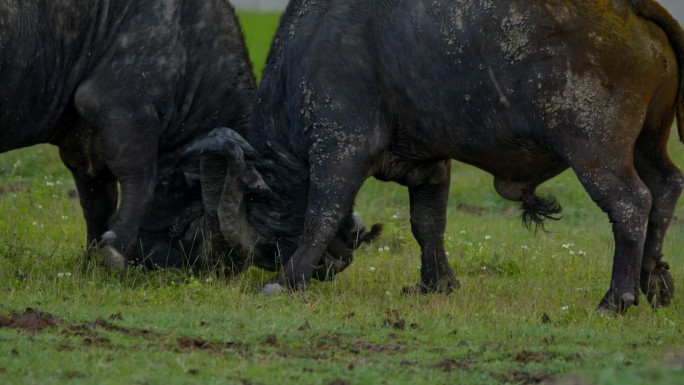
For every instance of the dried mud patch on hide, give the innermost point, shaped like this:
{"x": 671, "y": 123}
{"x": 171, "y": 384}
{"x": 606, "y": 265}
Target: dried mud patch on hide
{"x": 31, "y": 320}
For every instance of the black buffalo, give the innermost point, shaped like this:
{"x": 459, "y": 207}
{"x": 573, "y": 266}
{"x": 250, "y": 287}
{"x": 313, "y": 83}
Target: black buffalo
{"x": 522, "y": 89}
{"x": 122, "y": 87}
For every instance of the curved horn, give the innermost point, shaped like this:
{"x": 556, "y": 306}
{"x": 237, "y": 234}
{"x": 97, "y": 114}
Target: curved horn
{"x": 226, "y": 177}
{"x": 221, "y": 141}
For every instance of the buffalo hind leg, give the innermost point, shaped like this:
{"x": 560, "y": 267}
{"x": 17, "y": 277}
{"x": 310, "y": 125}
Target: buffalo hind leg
{"x": 618, "y": 191}
{"x": 665, "y": 181}
{"x": 428, "y": 204}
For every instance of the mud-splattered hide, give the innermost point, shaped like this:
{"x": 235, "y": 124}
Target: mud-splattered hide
{"x": 522, "y": 89}
{"x": 122, "y": 87}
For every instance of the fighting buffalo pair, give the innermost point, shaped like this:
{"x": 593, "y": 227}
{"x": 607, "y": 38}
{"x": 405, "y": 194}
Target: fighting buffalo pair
{"x": 159, "y": 96}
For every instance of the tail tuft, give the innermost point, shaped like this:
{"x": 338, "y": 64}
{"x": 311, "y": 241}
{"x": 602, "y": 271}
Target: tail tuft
{"x": 536, "y": 210}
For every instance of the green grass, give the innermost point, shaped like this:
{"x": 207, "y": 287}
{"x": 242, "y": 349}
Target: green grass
{"x": 525, "y": 312}
{"x": 259, "y": 28}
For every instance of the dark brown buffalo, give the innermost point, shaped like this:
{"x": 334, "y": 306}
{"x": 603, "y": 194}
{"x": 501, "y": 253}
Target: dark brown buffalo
{"x": 523, "y": 89}
{"x": 122, "y": 87}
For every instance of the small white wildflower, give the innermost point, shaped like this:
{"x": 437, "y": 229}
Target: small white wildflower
{"x": 386, "y": 248}
{"x": 565, "y": 308}
{"x": 64, "y": 217}
{"x": 380, "y": 249}
{"x": 463, "y": 232}
{"x": 40, "y": 206}
{"x": 60, "y": 275}
{"x": 567, "y": 245}
{"x": 387, "y": 293}
{"x": 447, "y": 253}
{"x": 373, "y": 268}
{"x": 395, "y": 216}
{"x": 34, "y": 223}
{"x": 524, "y": 247}
{"x": 582, "y": 252}
{"x": 488, "y": 237}
{"x": 49, "y": 184}
{"x": 571, "y": 252}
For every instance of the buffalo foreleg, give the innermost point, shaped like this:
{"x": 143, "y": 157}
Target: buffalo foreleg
{"x": 97, "y": 191}
{"x": 330, "y": 199}
{"x": 126, "y": 134}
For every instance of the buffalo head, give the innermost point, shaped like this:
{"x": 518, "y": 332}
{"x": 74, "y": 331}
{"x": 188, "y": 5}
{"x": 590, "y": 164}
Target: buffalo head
{"x": 226, "y": 213}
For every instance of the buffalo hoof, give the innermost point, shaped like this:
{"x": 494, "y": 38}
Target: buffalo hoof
{"x": 613, "y": 304}
{"x": 112, "y": 259}
{"x": 658, "y": 286}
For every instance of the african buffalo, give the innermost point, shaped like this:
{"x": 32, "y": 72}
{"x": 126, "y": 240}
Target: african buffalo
{"x": 522, "y": 89}
{"x": 122, "y": 87}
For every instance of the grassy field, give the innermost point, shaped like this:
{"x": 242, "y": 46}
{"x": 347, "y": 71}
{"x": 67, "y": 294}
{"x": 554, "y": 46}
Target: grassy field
{"x": 525, "y": 312}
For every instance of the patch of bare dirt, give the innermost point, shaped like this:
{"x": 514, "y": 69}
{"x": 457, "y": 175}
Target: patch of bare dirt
{"x": 358, "y": 346}
{"x": 187, "y": 344}
{"x": 395, "y": 321}
{"x": 449, "y": 365}
{"x": 524, "y": 378}
{"x": 89, "y": 328}
{"x": 526, "y": 356}
{"x": 31, "y": 320}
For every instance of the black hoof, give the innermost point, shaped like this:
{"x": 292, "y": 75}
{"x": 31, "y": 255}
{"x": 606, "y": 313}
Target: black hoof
{"x": 112, "y": 259}
{"x": 658, "y": 286}
{"x": 613, "y": 304}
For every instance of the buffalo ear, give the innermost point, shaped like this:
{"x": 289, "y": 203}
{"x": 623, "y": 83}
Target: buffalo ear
{"x": 253, "y": 183}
